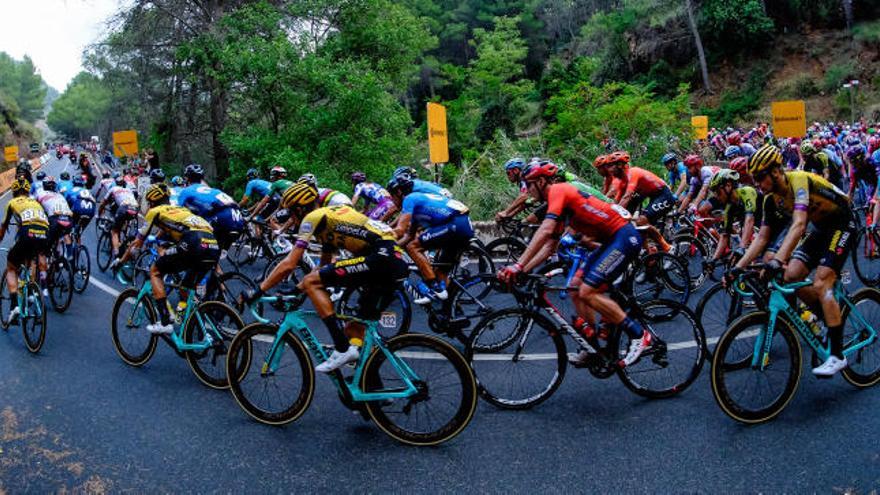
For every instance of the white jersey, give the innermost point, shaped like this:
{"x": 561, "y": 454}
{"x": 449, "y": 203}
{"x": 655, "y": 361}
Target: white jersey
{"x": 104, "y": 188}
{"x": 54, "y": 203}
{"x": 123, "y": 196}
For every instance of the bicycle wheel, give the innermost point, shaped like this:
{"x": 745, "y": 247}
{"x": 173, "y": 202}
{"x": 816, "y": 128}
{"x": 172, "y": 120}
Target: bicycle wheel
{"x": 518, "y": 357}
{"x": 694, "y": 252}
{"x": 215, "y": 324}
{"x": 33, "y": 326}
{"x": 447, "y": 392}
{"x": 505, "y": 250}
{"x": 866, "y": 257}
{"x": 749, "y": 394}
{"x": 717, "y": 309}
{"x": 659, "y": 276}
{"x": 394, "y": 320}
{"x": 675, "y": 358}
{"x": 295, "y": 276}
{"x": 104, "y": 253}
{"x": 141, "y": 269}
{"x": 82, "y": 269}
{"x": 863, "y": 368}
{"x": 134, "y": 344}
{"x": 60, "y": 283}
{"x": 5, "y": 304}
{"x": 467, "y": 301}
{"x": 278, "y": 397}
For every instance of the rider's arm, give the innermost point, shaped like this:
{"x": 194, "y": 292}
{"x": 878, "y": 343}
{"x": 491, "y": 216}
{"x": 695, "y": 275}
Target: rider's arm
{"x": 701, "y": 196}
{"x": 545, "y": 234}
{"x": 682, "y": 184}
{"x": 723, "y": 243}
{"x": 285, "y": 268}
{"x": 403, "y": 231}
{"x": 515, "y": 207}
{"x": 6, "y": 220}
{"x": 244, "y": 201}
{"x": 391, "y": 211}
{"x": 756, "y": 248}
{"x": 257, "y": 209}
{"x": 748, "y": 230}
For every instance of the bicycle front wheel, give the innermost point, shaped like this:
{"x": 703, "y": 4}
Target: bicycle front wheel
{"x": 213, "y": 324}
{"x": 272, "y": 396}
{"x": 82, "y": 269}
{"x": 866, "y": 257}
{"x": 128, "y": 328}
{"x": 447, "y": 392}
{"x": 863, "y": 368}
{"x": 104, "y": 254}
{"x": 748, "y": 393}
{"x": 33, "y": 324}
{"x": 60, "y": 282}
{"x": 717, "y": 309}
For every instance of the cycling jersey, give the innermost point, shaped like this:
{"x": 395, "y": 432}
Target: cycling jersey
{"x": 174, "y": 221}
{"x": 584, "y": 213}
{"x": 612, "y": 188}
{"x": 673, "y": 177}
{"x": 278, "y": 187}
{"x": 80, "y": 201}
{"x": 106, "y": 185}
{"x": 29, "y": 214}
{"x": 122, "y": 196}
{"x": 747, "y": 149}
{"x": 592, "y": 191}
{"x": 330, "y": 197}
{"x": 342, "y": 227}
{"x": 823, "y": 201}
{"x": 733, "y": 211}
{"x": 429, "y": 210}
{"x": 204, "y": 201}
{"x": 638, "y": 181}
{"x": 423, "y": 186}
{"x": 702, "y": 179}
{"x": 174, "y": 195}
{"x": 54, "y": 203}
{"x": 36, "y": 187}
{"x": 371, "y": 193}
{"x": 256, "y": 189}
{"x": 64, "y": 186}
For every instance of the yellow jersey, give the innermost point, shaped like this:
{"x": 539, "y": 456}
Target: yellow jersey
{"x": 342, "y": 227}
{"x": 822, "y": 200}
{"x": 174, "y": 221}
{"x": 29, "y": 213}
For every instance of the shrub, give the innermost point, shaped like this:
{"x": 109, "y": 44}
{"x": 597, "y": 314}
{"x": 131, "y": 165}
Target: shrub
{"x": 837, "y": 74}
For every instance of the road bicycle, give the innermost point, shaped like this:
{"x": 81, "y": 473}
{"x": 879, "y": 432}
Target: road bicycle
{"x": 104, "y": 253}
{"x": 59, "y": 277}
{"x": 201, "y": 334}
{"x": 756, "y": 368}
{"x": 80, "y": 260}
{"x": 401, "y": 383}
{"x": 866, "y": 249}
{"x": 32, "y": 317}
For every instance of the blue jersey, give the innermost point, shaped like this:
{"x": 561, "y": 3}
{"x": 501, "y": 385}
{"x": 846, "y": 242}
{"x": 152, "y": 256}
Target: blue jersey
{"x": 423, "y": 186}
{"x": 430, "y": 210}
{"x": 203, "y": 200}
{"x": 64, "y": 186}
{"x": 175, "y": 194}
{"x": 256, "y": 189}
{"x": 80, "y": 201}
{"x": 674, "y": 175}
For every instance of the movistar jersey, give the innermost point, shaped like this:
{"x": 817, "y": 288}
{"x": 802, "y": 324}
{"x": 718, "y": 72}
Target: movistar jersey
{"x": 429, "y": 210}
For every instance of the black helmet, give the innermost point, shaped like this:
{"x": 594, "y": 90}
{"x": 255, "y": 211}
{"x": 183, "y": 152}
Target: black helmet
{"x": 402, "y": 183}
{"x": 194, "y": 173}
{"x": 157, "y": 175}
{"x": 41, "y": 175}
{"x": 49, "y": 183}
{"x": 105, "y": 175}
{"x": 252, "y": 174}
{"x": 65, "y": 175}
{"x": 120, "y": 181}
{"x": 405, "y": 170}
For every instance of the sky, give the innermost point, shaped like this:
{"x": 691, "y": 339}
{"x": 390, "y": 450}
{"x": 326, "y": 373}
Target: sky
{"x": 53, "y": 33}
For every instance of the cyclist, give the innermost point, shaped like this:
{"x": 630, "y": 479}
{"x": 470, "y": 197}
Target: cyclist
{"x": 377, "y": 202}
{"x": 81, "y": 203}
{"x": 131, "y": 179}
{"x": 31, "y": 239}
{"x": 376, "y": 266}
{"x": 23, "y": 170}
{"x": 38, "y": 183}
{"x": 157, "y": 175}
{"x": 212, "y": 204}
{"x": 419, "y": 185}
{"x": 430, "y": 221}
{"x": 64, "y": 184}
{"x": 637, "y": 185}
{"x": 279, "y": 183}
{"x": 863, "y": 169}
{"x": 326, "y": 197}
{"x": 677, "y": 177}
{"x": 107, "y": 182}
{"x": 124, "y": 208}
{"x": 613, "y": 187}
{"x": 513, "y": 168}
{"x": 256, "y": 188}
{"x": 818, "y": 162}
{"x": 60, "y": 215}
{"x": 810, "y": 200}
{"x": 195, "y": 251}
{"x": 618, "y": 245}
{"x": 177, "y": 185}
{"x": 700, "y": 176}
{"x": 740, "y": 203}
{"x": 741, "y": 166}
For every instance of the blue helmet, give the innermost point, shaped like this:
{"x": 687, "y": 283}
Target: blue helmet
{"x": 515, "y": 163}
{"x": 405, "y": 170}
{"x": 78, "y": 181}
{"x": 252, "y": 173}
{"x": 402, "y": 183}
{"x": 732, "y": 152}
{"x": 668, "y": 157}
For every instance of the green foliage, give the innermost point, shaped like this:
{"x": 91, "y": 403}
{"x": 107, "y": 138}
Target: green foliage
{"x": 867, "y": 32}
{"x": 738, "y": 106}
{"x": 20, "y": 82}
{"x": 838, "y": 74}
{"x": 801, "y": 87}
{"x": 734, "y": 26}
{"x": 82, "y": 108}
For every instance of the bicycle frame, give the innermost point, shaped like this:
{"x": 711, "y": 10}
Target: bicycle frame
{"x": 175, "y": 339}
{"x": 294, "y": 323}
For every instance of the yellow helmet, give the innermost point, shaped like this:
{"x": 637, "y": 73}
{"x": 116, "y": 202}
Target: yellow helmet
{"x": 20, "y": 185}
{"x": 299, "y": 194}
{"x": 157, "y": 193}
{"x": 763, "y": 159}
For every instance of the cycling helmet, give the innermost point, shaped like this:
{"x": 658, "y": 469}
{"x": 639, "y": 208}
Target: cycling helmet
{"x": 277, "y": 172}
{"x": 618, "y": 157}
{"x": 732, "y": 152}
{"x": 692, "y": 161}
{"x": 740, "y": 165}
{"x": 157, "y": 175}
{"x": 515, "y": 163}
{"x": 65, "y": 175}
{"x": 120, "y": 181}
{"x": 177, "y": 181}
{"x": 23, "y": 163}
{"x": 299, "y": 194}
{"x": 721, "y": 176}
{"x": 358, "y": 177}
{"x": 309, "y": 179}
{"x": 405, "y": 170}
{"x": 545, "y": 169}
{"x": 20, "y": 186}
{"x": 79, "y": 182}
{"x": 41, "y": 175}
{"x": 49, "y": 183}
{"x": 105, "y": 175}
{"x": 874, "y": 142}
{"x": 157, "y": 193}
{"x": 600, "y": 161}
{"x": 252, "y": 174}
{"x": 402, "y": 184}
{"x": 807, "y": 148}
{"x": 734, "y": 138}
{"x": 765, "y": 158}
{"x": 856, "y": 152}
{"x": 194, "y": 173}
{"x": 668, "y": 157}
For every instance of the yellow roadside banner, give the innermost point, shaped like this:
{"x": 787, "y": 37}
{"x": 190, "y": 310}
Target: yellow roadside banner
{"x": 700, "y": 123}
{"x": 125, "y": 143}
{"x": 789, "y": 118}
{"x": 438, "y": 141}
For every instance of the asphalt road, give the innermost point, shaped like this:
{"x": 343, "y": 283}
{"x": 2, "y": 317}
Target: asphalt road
{"x": 75, "y": 417}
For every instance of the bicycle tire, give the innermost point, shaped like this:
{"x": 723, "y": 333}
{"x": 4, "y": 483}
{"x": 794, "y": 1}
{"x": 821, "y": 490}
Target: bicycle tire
{"x": 209, "y": 365}
{"x": 653, "y": 318}
{"x": 60, "y": 284}
{"x": 35, "y": 338}
{"x": 721, "y": 366}
{"x": 5, "y": 304}
{"x": 82, "y": 269}
{"x": 861, "y": 254}
{"x": 505, "y": 250}
{"x": 387, "y": 325}
{"x": 665, "y": 276}
{"x": 378, "y": 411}
{"x": 871, "y": 377}
{"x": 694, "y": 252}
{"x": 141, "y": 269}
{"x": 489, "y": 347}
{"x": 104, "y": 251}
{"x": 253, "y": 337}
{"x": 720, "y": 303}
{"x": 125, "y": 301}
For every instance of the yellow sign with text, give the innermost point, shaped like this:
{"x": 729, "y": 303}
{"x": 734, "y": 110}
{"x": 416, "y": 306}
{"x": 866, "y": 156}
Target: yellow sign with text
{"x": 700, "y": 123}
{"x": 438, "y": 140}
{"x": 10, "y": 153}
{"x": 125, "y": 143}
{"x": 789, "y": 118}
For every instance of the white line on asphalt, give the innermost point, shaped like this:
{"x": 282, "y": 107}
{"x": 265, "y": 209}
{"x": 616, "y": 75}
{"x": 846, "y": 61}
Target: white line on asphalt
{"x": 104, "y": 287}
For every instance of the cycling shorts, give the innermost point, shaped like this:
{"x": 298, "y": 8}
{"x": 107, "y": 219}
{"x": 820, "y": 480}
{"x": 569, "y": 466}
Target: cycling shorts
{"x": 59, "y": 226}
{"x": 450, "y": 239}
{"x": 196, "y": 253}
{"x": 828, "y": 246}
{"x": 29, "y": 242}
{"x": 228, "y": 225}
{"x": 381, "y": 209}
{"x": 372, "y": 273}
{"x": 776, "y": 242}
{"x": 606, "y": 263}
{"x": 659, "y": 206}
{"x": 122, "y": 215}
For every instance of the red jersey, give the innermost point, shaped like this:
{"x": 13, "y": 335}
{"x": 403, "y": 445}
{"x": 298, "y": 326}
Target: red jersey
{"x": 613, "y": 188}
{"x": 586, "y": 214}
{"x": 642, "y": 182}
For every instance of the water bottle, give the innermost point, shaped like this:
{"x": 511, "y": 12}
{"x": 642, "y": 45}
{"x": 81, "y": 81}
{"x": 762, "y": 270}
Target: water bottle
{"x": 812, "y": 321}
{"x": 845, "y": 277}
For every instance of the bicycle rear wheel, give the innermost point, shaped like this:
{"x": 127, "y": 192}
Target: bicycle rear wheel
{"x": 866, "y": 257}
{"x": 128, "y": 327}
{"x": 660, "y": 276}
{"x": 215, "y": 324}
{"x": 271, "y": 397}
{"x": 447, "y": 392}
{"x": 505, "y": 250}
{"x": 33, "y": 326}
{"x": 60, "y": 283}
{"x": 863, "y": 368}
{"x": 394, "y": 320}
{"x": 694, "y": 252}
{"x": 82, "y": 269}
{"x": 518, "y": 358}
{"x": 104, "y": 253}
{"x": 749, "y": 394}
{"x": 675, "y": 358}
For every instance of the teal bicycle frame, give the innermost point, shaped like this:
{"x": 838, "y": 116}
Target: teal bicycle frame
{"x": 23, "y": 288}
{"x": 294, "y": 323}
{"x": 175, "y": 338}
{"x": 778, "y": 304}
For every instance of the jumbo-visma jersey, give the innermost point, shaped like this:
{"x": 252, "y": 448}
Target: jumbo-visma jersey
{"x": 342, "y": 227}
{"x": 175, "y": 221}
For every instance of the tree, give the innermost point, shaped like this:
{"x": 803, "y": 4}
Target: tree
{"x": 701, "y": 55}
{"x": 20, "y": 81}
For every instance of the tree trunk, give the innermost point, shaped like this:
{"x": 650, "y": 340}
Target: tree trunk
{"x": 848, "y": 14}
{"x": 218, "y": 124}
{"x": 692, "y": 22}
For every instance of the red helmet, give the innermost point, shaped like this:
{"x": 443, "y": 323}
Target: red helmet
{"x": 824, "y": 142}
{"x": 692, "y": 161}
{"x": 740, "y": 165}
{"x": 832, "y": 140}
{"x": 617, "y": 157}
{"x": 546, "y": 169}
{"x": 874, "y": 143}
{"x": 600, "y": 161}
{"x": 817, "y": 143}
{"x": 734, "y": 138}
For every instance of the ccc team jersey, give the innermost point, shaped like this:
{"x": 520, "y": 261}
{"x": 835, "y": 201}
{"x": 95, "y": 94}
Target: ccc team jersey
{"x": 342, "y": 227}
{"x": 175, "y": 221}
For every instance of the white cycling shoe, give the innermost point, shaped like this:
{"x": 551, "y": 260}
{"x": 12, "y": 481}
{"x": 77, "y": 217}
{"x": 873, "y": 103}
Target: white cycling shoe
{"x": 830, "y": 367}
{"x": 338, "y": 359}
{"x": 159, "y": 328}
{"x": 637, "y": 347}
